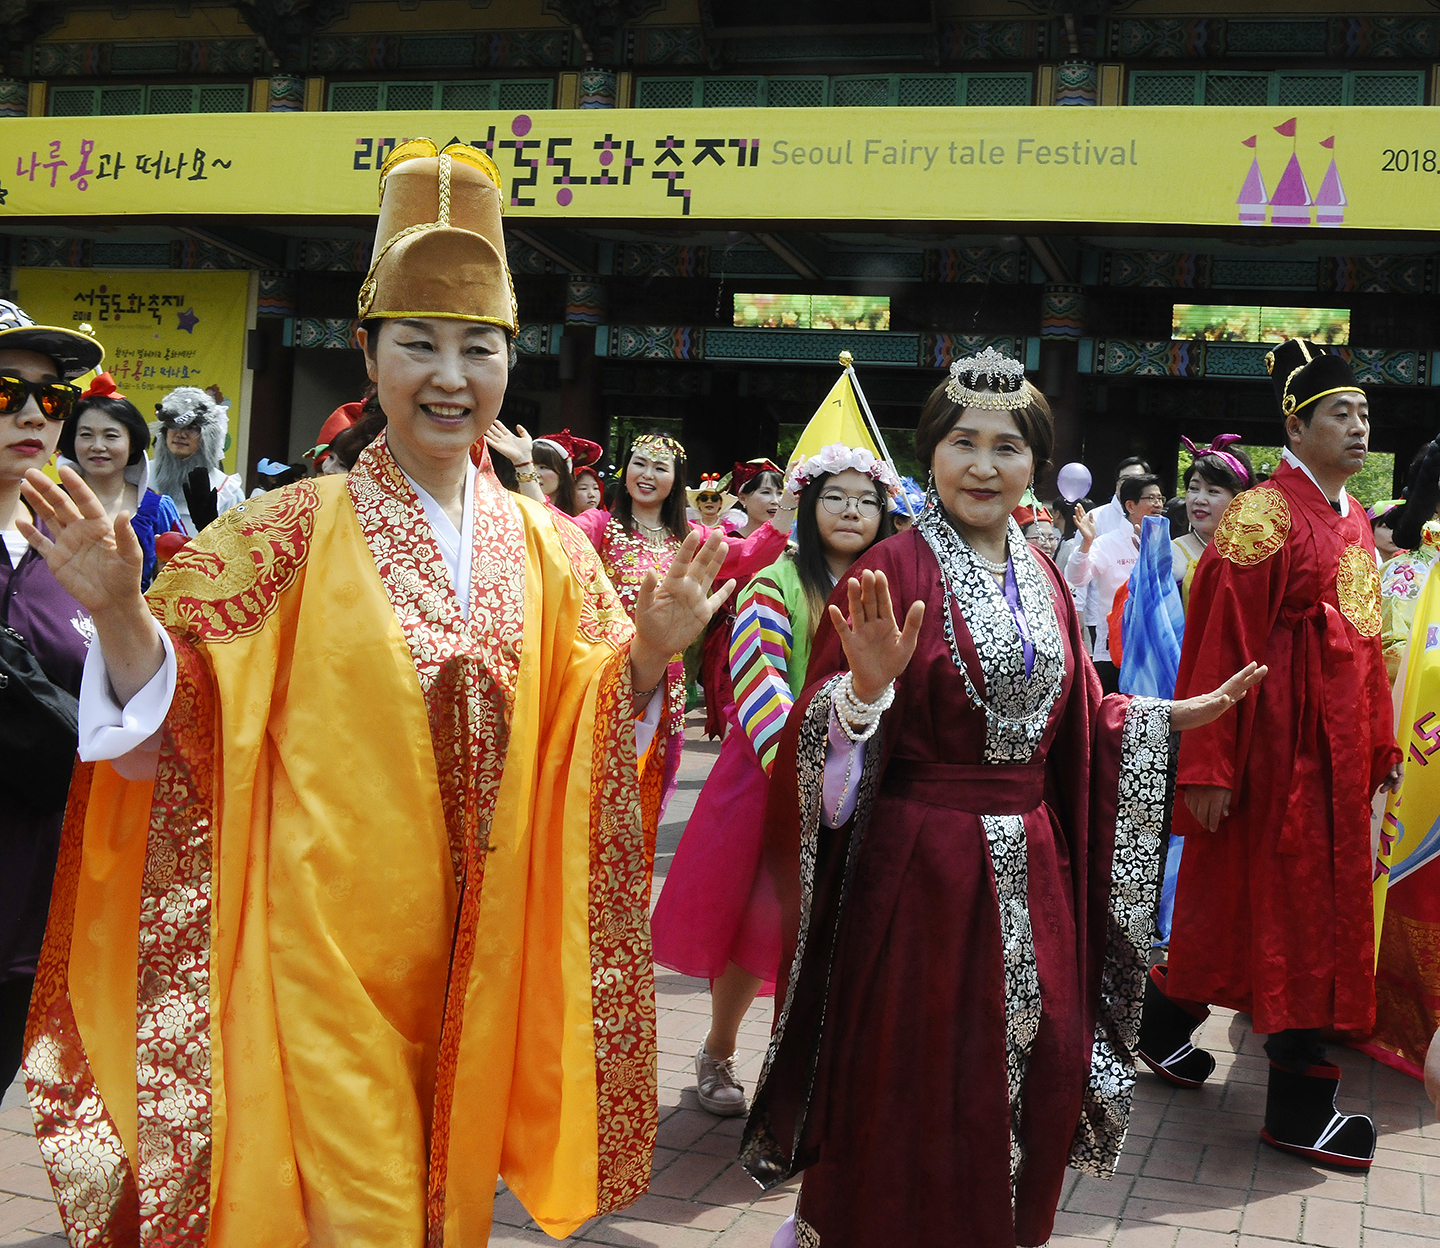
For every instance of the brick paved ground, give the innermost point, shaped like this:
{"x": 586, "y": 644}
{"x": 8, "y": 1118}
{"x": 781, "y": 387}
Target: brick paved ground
{"x": 1194, "y": 1174}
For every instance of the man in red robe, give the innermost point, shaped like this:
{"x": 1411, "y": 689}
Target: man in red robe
{"x": 1273, "y": 909}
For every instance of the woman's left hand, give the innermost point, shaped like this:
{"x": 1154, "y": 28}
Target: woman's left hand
{"x": 1208, "y": 707}
{"x": 671, "y": 613}
{"x": 516, "y": 445}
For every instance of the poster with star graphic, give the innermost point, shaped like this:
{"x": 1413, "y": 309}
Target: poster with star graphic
{"x": 160, "y": 328}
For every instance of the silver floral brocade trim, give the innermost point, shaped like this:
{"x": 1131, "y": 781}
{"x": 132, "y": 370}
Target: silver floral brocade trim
{"x": 1006, "y": 837}
{"x": 1135, "y": 882}
{"x": 768, "y": 1160}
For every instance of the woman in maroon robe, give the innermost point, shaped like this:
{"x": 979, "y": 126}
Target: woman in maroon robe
{"x": 969, "y": 892}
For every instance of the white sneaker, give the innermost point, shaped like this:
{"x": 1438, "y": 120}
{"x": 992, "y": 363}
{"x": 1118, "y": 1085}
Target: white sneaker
{"x": 715, "y": 1083}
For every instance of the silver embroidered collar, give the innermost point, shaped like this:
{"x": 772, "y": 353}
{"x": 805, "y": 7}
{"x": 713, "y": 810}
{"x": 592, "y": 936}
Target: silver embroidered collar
{"x": 1017, "y": 708}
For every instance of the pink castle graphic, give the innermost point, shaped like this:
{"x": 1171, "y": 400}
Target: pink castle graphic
{"x": 1291, "y": 204}
{"x": 1252, "y": 198}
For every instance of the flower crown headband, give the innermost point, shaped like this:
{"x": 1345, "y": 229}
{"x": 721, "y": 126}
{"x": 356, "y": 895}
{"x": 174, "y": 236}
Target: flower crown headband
{"x": 837, "y": 457}
{"x": 1216, "y": 450}
{"x": 988, "y": 380}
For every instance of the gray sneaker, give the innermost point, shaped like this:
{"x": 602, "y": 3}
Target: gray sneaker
{"x": 719, "y": 1091}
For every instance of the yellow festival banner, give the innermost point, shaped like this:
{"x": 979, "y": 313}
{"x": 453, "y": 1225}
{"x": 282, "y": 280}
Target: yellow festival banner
{"x": 1410, "y": 831}
{"x": 1362, "y": 168}
{"x": 160, "y": 329}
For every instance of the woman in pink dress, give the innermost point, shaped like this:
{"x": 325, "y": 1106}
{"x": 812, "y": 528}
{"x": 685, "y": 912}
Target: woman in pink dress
{"x": 641, "y": 536}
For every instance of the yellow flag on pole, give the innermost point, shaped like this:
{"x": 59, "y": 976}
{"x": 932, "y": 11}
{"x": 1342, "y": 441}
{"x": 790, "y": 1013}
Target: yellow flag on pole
{"x": 837, "y": 419}
{"x": 1410, "y": 832}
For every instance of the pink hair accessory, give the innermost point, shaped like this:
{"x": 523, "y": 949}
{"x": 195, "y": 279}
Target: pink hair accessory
{"x": 837, "y": 457}
{"x": 1218, "y": 451}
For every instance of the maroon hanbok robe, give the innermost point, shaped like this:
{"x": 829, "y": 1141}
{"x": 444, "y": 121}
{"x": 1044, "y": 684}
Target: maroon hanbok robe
{"x": 1273, "y": 910}
{"x": 960, "y": 989}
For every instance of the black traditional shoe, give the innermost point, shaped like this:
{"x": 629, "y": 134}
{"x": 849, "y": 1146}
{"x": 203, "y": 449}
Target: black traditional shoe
{"x": 1301, "y": 1118}
{"x": 1165, "y": 1031}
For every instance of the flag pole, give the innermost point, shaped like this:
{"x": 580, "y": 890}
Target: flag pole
{"x": 847, "y": 362}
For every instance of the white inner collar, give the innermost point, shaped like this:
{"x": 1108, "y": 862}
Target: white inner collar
{"x": 1295, "y": 462}
{"x": 456, "y": 545}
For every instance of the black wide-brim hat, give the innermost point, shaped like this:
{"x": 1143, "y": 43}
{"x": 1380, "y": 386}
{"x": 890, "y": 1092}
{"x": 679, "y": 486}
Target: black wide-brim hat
{"x": 74, "y": 351}
{"x": 1303, "y": 372}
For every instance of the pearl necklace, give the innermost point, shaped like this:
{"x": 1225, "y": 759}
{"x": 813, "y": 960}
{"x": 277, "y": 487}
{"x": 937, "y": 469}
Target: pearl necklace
{"x": 995, "y": 569}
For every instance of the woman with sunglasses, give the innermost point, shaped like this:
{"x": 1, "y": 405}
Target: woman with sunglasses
{"x": 105, "y": 440}
{"x": 36, "y": 366}
{"x": 718, "y": 916}
{"x": 642, "y": 535}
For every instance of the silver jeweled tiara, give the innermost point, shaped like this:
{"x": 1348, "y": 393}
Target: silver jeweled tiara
{"x": 1000, "y": 379}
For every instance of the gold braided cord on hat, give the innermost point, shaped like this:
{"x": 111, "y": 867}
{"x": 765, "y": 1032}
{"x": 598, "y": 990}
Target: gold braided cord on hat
{"x": 454, "y": 151}
{"x": 1289, "y": 406}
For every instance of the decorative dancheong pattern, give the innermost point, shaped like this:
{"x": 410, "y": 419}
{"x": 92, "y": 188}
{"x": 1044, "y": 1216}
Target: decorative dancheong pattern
{"x": 1254, "y": 526}
{"x": 227, "y": 584}
{"x": 1357, "y": 588}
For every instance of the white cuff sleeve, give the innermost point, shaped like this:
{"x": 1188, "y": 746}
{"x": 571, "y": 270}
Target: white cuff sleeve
{"x": 647, "y": 724}
{"x": 128, "y": 736}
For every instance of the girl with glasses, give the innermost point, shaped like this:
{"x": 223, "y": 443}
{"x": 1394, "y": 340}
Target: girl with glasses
{"x": 718, "y": 916}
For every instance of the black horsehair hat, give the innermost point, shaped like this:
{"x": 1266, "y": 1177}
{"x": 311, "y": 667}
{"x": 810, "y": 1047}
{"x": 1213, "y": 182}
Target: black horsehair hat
{"x": 1303, "y": 372}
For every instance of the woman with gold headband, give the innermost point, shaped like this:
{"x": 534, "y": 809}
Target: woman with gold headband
{"x": 950, "y": 770}
{"x": 643, "y": 535}
{"x": 345, "y": 928}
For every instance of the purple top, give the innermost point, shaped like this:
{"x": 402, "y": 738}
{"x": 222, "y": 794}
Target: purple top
{"x": 1012, "y": 600}
{"x": 55, "y": 628}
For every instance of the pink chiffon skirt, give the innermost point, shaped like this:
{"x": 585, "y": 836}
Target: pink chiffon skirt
{"x": 718, "y": 906}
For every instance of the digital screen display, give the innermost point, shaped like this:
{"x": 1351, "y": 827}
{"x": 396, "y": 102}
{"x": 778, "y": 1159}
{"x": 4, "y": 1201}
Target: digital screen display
{"x": 791, "y": 311}
{"x": 1224, "y": 322}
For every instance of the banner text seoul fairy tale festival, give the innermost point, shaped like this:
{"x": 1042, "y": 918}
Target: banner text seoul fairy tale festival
{"x": 1368, "y": 168}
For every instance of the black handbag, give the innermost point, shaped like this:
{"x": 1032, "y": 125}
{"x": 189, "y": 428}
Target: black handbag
{"x": 39, "y": 729}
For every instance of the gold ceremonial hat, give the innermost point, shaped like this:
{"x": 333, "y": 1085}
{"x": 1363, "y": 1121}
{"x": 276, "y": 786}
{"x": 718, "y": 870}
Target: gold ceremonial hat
{"x": 439, "y": 243}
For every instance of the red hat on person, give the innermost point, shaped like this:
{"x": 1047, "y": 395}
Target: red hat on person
{"x": 751, "y": 469}
{"x": 337, "y": 422}
{"x": 580, "y": 452}
{"x": 1029, "y": 515}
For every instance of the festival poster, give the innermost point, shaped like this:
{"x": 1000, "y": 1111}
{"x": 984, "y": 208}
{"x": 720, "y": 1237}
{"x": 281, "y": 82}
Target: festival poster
{"x": 160, "y": 329}
{"x": 1287, "y": 168}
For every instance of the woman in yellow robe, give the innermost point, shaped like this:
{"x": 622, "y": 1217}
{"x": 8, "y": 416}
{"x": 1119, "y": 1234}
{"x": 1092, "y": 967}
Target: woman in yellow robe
{"x": 357, "y": 919}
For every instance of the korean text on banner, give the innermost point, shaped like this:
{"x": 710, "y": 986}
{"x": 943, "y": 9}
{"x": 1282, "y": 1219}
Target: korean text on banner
{"x": 159, "y": 329}
{"x": 1351, "y": 167}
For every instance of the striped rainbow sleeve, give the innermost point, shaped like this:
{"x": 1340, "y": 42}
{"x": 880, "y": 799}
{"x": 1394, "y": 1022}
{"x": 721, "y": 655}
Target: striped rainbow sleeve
{"x": 759, "y": 662}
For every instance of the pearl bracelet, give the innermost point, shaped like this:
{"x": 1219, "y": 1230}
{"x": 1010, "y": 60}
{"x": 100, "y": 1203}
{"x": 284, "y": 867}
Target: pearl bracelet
{"x": 859, "y": 720}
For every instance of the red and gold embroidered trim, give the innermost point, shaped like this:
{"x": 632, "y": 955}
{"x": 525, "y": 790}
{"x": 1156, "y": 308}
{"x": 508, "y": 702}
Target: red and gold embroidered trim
{"x": 226, "y": 582}
{"x": 603, "y": 617}
{"x": 468, "y": 670}
{"x": 172, "y": 1023}
{"x": 79, "y": 1144}
{"x": 621, "y": 963}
